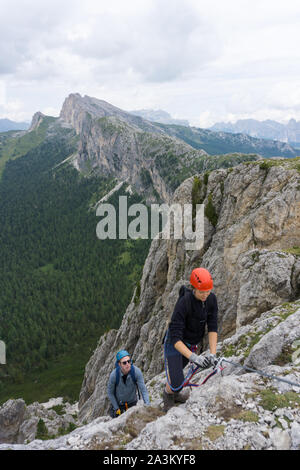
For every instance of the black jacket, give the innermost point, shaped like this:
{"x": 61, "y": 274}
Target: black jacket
{"x": 188, "y": 324}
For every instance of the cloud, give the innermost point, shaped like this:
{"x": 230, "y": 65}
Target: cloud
{"x": 31, "y": 30}
{"x": 161, "y": 42}
{"x": 197, "y": 59}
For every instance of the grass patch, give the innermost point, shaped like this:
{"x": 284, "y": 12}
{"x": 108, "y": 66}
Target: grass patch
{"x": 290, "y": 308}
{"x": 288, "y": 163}
{"x": 295, "y": 250}
{"x": 229, "y": 351}
{"x": 187, "y": 444}
{"x": 271, "y": 400}
{"x": 254, "y": 339}
{"x": 248, "y": 416}
{"x": 140, "y": 418}
{"x": 213, "y": 432}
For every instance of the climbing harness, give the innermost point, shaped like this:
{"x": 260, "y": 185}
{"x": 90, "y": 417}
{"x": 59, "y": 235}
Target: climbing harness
{"x": 216, "y": 370}
{"x": 191, "y": 372}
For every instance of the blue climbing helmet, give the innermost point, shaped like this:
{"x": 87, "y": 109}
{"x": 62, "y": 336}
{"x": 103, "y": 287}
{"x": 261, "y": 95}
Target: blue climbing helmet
{"x": 121, "y": 354}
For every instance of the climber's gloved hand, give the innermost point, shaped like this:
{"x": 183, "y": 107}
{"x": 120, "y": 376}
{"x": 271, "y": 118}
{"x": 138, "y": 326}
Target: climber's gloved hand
{"x": 202, "y": 361}
{"x": 213, "y": 359}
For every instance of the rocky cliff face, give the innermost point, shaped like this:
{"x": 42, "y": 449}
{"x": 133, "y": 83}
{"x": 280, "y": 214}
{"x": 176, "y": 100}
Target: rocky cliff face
{"x": 252, "y": 239}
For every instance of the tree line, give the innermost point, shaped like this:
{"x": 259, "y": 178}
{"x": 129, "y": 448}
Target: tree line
{"x": 60, "y": 284}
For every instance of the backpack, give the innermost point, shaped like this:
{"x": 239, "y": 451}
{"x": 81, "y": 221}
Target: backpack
{"x": 131, "y": 372}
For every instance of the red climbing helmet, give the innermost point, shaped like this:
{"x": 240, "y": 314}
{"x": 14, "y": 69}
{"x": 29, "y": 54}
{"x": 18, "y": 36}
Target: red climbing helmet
{"x": 201, "y": 279}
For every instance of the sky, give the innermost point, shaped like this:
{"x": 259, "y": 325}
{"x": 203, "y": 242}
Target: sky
{"x": 202, "y": 60}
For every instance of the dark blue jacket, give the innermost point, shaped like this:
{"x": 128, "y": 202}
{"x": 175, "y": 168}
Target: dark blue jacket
{"x": 188, "y": 324}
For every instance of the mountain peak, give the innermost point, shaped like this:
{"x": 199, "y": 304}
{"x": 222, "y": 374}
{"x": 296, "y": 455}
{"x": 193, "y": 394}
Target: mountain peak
{"x": 36, "y": 121}
{"x": 76, "y": 108}
{"x": 97, "y": 108}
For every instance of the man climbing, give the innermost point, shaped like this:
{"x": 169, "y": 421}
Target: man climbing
{"x": 195, "y": 308}
{"x": 124, "y": 383}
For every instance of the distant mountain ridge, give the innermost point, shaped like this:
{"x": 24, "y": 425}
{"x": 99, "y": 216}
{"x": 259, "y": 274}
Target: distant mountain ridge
{"x": 268, "y": 129}
{"x": 76, "y": 107}
{"x": 8, "y": 125}
{"x": 159, "y": 116}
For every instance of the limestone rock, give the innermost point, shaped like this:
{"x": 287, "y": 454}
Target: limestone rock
{"x": 280, "y": 439}
{"x": 274, "y": 343}
{"x": 265, "y": 279}
{"x": 11, "y": 417}
{"x": 295, "y": 435}
{"x": 19, "y": 423}
{"x": 36, "y": 121}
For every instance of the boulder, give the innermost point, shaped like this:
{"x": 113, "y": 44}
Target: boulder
{"x": 11, "y": 417}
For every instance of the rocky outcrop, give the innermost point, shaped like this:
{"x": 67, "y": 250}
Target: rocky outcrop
{"x": 36, "y": 121}
{"x": 11, "y": 418}
{"x": 233, "y": 410}
{"x": 22, "y": 424}
{"x": 252, "y": 231}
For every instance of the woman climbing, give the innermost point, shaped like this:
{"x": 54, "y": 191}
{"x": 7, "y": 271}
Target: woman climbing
{"x": 195, "y": 308}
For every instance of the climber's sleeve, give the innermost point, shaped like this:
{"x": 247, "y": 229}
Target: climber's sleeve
{"x": 141, "y": 384}
{"x": 212, "y": 318}
{"x": 111, "y": 390}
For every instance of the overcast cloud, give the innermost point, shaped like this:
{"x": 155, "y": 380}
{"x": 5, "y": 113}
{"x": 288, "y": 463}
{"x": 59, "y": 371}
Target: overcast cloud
{"x": 202, "y": 60}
